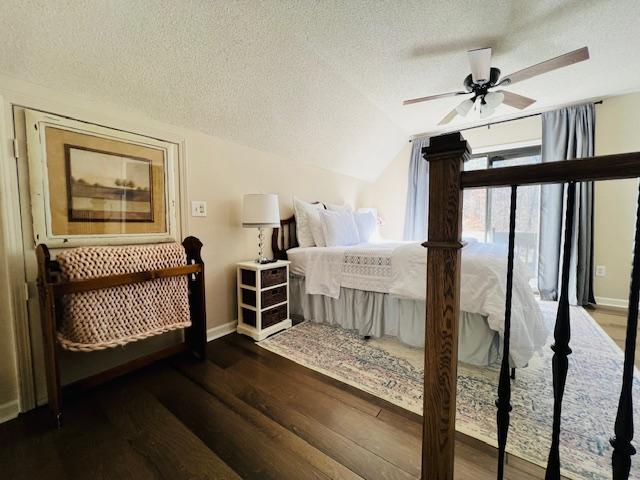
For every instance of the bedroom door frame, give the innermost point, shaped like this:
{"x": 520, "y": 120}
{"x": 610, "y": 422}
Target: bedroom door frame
{"x": 13, "y": 274}
{"x": 20, "y": 95}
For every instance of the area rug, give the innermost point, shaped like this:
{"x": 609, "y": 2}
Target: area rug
{"x": 394, "y": 372}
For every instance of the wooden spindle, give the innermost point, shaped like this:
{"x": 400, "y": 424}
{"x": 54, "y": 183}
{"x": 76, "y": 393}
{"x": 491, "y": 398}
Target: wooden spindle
{"x": 621, "y": 443}
{"x": 562, "y": 336}
{"x": 503, "y": 403}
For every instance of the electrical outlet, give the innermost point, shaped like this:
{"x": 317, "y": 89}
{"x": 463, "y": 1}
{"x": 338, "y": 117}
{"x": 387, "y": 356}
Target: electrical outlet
{"x": 601, "y": 271}
{"x": 198, "y": 208}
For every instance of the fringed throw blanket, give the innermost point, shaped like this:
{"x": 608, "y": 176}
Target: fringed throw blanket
{"x": 110, "y": 317}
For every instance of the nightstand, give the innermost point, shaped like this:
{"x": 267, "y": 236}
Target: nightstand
{"x": 263, "y": 298}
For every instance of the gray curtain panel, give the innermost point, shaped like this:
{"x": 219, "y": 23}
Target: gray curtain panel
{"x": 415, "y": 220}
{"x": 567, "y": 134}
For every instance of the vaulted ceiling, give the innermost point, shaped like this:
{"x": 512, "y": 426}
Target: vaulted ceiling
{"x": 315, "y": 81}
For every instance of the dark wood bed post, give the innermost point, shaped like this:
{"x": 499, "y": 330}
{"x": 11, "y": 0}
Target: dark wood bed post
{"x": 196, "y": 335}
{"x": 445, "y": 155}
{"x": 48, "y": 324}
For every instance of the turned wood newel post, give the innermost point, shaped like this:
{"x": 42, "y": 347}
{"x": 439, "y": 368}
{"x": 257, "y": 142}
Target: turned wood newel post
{"x": 445, "y": 155}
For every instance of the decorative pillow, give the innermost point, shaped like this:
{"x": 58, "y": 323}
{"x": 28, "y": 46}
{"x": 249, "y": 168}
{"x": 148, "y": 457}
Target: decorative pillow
{"x": 302, "y": 211}
{"x": 366, "y": 223}
{"x": 339, "y": 228}
{"x": 339, "y": 208}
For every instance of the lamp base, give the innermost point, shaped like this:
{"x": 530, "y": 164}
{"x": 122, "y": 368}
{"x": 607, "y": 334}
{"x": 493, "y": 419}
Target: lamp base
{"x": 263, "y": 261}
{"x": 261, "y": 258}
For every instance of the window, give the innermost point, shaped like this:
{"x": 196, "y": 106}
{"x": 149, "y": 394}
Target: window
{"x": 486, "y": 211}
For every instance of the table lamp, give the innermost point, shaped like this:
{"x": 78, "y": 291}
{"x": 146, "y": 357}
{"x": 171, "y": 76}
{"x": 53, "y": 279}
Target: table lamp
{"x": 260, "y": 210}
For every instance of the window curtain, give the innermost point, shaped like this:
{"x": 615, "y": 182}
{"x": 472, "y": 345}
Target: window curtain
{"x": 415, "y": 220}
{"x": 567, "y": 134}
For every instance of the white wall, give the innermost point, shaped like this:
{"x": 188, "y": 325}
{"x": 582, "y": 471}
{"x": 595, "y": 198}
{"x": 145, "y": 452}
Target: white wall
{"x": 617, "y": 124}
{"x": 9, "y": 403}
{"x": 8, "y": 372}
{"x": 519, "y": 131}
{"x": 389, "y": 194}
{"x": 218, "y": 172}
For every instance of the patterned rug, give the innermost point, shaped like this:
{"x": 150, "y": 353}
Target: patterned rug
{"x": 394, "y": 372}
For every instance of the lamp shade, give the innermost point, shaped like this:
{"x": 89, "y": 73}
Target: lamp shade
{"x": 260, "y": 210}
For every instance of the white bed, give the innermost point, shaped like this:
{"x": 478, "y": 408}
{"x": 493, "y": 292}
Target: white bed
{"x": 379, "y": 289}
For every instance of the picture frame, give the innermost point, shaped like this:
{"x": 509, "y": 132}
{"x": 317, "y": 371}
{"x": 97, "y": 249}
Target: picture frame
{"x": 94, "y": 185}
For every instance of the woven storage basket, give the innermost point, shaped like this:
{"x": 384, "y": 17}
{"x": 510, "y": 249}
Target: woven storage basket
{"x": 111, "y": 317}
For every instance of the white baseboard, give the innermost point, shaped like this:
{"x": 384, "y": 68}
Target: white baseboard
{"x": 9, "y": 411}
{"x": 612, "y": 302}
{"x": 221, "y": 330}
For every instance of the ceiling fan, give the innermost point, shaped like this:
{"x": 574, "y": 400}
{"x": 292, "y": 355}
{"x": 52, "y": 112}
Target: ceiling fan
{"x": 484, "y": 78}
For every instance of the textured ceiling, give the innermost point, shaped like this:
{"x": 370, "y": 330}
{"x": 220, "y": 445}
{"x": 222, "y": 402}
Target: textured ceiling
{"x": 316, "y": 81}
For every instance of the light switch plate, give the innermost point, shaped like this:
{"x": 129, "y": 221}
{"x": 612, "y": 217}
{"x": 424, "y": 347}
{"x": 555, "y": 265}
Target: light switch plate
{"x": 601, "y": 271}
{"x": 198, "y": 208}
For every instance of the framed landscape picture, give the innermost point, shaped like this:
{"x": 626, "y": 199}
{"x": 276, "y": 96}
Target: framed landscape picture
{"x": 107, "y": 187}
{"x": 93, "y": 185}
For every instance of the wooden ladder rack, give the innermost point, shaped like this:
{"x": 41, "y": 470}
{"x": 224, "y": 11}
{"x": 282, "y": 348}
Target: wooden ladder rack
{"x": 51, "y": 290}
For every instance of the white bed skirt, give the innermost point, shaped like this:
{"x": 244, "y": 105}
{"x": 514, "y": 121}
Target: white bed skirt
{"x": 381, "y": 314}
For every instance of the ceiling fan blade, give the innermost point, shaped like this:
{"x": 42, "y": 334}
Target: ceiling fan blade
{"x": 515, "y": 100}
{"x": 448, "y": 117}
{"x": 433, "y": 97}
{"x": 567, "y": 59}
{"x": 480, "y": 61}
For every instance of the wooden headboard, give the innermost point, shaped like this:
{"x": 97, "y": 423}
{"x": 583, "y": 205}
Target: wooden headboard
{"x": 284, "y": 238}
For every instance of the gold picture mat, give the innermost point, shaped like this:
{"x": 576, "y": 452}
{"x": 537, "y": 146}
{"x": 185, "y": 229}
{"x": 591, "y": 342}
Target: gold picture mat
{"x": 56, "y": 139}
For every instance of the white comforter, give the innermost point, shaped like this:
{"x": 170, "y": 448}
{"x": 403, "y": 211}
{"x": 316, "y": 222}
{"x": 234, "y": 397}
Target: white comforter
{"x": 399, "y": 268}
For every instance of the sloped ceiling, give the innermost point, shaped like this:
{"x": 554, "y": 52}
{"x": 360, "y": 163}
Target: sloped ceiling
{"x": 315, "y": 81}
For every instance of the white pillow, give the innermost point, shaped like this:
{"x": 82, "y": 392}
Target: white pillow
{"x": 339, "y": 228}
{"x": 373, "y": 210}
{"x": 339, "y": 208}
{"x": 303, "y": 229}
{"x": 376, "y": 237}
{"x": 367, "y": 224}
{"x": 315, "y": 224}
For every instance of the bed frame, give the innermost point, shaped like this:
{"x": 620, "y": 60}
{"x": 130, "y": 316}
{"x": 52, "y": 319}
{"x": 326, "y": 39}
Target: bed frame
{"x": 51, "y": 290}
{"x": 284, "y": 238}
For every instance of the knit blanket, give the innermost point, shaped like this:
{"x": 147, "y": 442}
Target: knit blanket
{"x": 115, "y": 316}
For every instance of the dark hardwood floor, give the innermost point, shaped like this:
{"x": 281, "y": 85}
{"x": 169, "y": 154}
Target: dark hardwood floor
{"x": 244, "y": 413}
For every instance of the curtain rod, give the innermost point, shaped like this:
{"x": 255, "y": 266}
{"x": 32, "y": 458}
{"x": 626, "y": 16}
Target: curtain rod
{"x": 599, "y": 102}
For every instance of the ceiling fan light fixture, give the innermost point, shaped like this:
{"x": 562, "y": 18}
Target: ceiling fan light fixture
{"x": 464, "y": 107}
{"x": 486, "y": 110}
{"x": 493, "y": 99}
{"x": 480, "y": 60}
